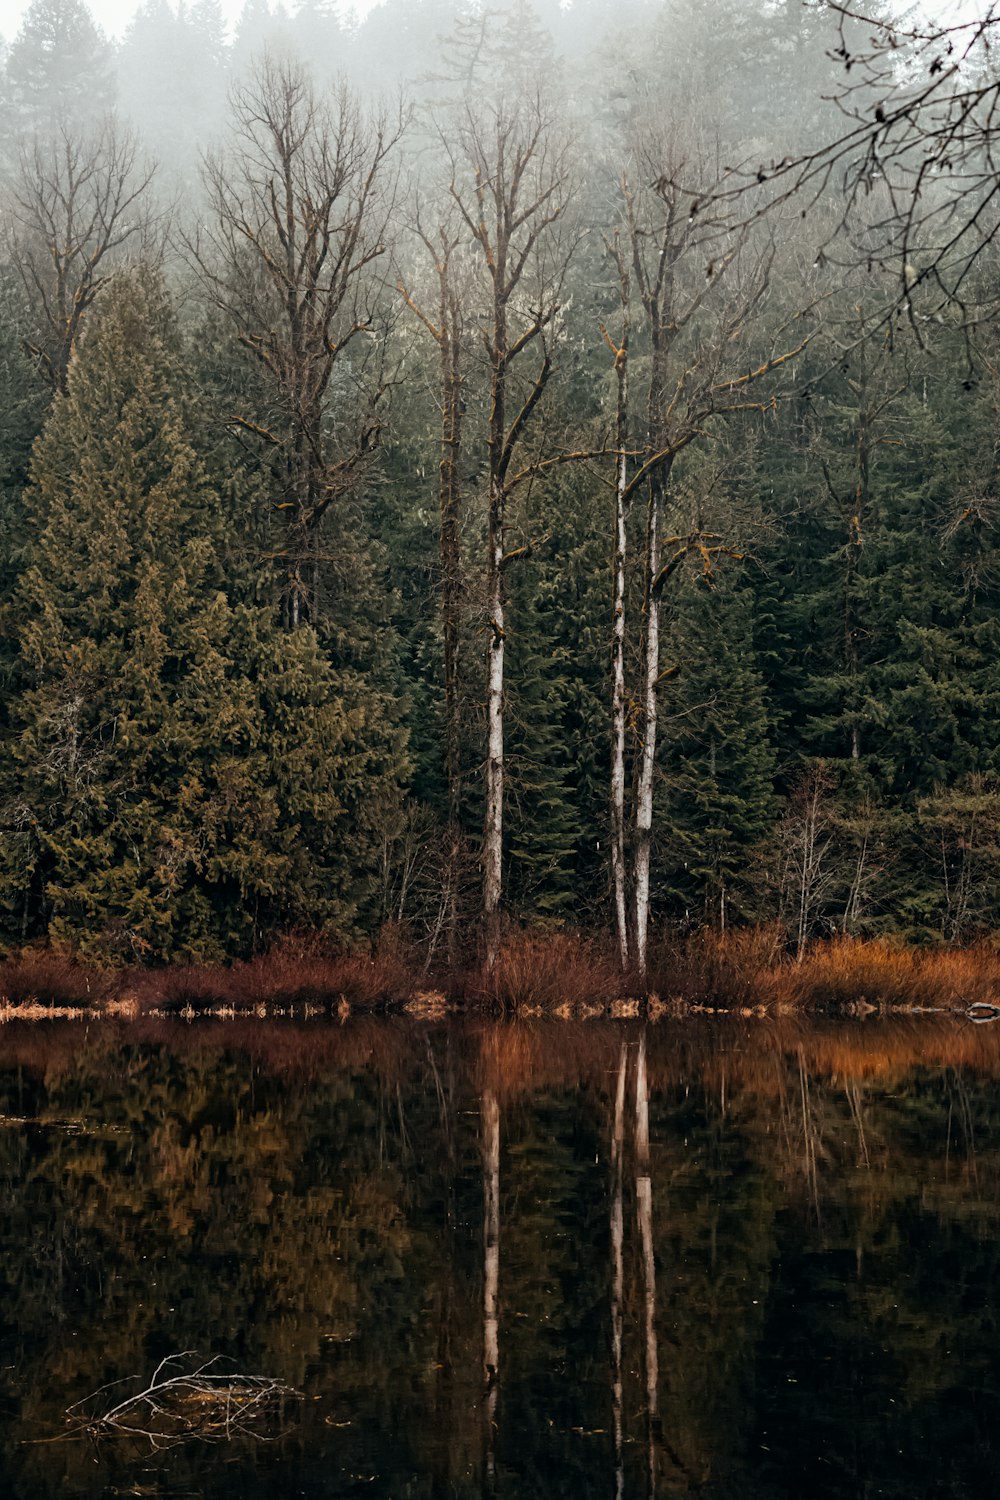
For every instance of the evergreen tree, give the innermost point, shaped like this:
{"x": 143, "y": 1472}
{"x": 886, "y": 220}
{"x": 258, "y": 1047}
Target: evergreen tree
{"x": 172, "y": 83}
{"x": 546, "y": 830}
{"x": 22, "y": 405}
{"x": 59, "y": 69}
{"x": 717, "y": 794}
{"x": 319, "y": 38}
{"x": 177, "y": 771}
{"x": 558, "y": 705}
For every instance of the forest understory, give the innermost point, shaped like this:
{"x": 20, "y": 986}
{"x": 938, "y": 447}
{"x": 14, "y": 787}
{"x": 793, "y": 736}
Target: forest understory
{"x": 749, "y": 972}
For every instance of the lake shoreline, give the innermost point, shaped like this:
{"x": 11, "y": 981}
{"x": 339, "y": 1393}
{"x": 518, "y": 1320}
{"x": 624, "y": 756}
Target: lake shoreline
{"x": 562, "y": 974}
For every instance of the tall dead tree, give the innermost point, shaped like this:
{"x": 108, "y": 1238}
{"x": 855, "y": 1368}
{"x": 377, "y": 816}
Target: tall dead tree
{"x": 696, "y": 329}
{"x": 300, "y": 207}
{"x": 447, "y": 329}
{"x": 619, "y": 871}
{"x": 510, "y": 185}
{"x": 77, "y": 199}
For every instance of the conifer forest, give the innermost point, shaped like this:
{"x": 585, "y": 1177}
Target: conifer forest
{"x": 468, "y": 468}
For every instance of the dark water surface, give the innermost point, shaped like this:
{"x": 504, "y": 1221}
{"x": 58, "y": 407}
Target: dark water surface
{"x": 715, "y": 1258}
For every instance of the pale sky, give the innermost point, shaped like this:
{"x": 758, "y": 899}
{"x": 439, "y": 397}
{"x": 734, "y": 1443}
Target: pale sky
{"x": 114, "y": 15}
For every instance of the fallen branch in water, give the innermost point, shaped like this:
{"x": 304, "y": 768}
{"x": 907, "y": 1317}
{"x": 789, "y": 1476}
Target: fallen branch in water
{"x": 203, "y": 1403}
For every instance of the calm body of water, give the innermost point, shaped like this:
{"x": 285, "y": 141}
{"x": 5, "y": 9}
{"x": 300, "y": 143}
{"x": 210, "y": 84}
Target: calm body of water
{"x": 711, "y": 1258}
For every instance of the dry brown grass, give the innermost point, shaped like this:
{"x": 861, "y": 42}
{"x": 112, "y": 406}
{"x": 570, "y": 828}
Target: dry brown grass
{"x": 750, "y": 968}
{"x": 847, "y": 971}
{"x": 717, "y": 968}
{"x": 296, "y": 970}
{"x": 54, "y": 977}
{"x": 563, "y": 973}
{"x": 549, "y": 970}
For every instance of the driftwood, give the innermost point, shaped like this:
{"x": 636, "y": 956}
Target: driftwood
{"x": 203, "y": 1403}
{"x": 981, "y": 1012}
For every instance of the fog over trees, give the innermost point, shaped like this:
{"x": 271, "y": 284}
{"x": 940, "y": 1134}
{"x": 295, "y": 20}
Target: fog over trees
{"x": 480, "y": 465}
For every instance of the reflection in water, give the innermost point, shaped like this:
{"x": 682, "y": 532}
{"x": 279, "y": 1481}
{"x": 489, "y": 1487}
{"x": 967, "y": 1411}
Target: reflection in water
{"x": 644, "y": 1216}
{"x": 618, "y": 1268}
{"x": 806, "y": 1303}
{"x": 491, "y": 1275}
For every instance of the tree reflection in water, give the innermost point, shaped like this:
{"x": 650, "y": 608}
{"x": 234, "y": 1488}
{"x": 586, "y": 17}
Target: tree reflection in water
{"x": 428, "y": 1231}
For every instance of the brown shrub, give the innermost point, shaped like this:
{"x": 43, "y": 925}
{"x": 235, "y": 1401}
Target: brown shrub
{"x": 845, "y": 971}
{"x": 717, "y": 968}
{"x": 291, "y": 972}
{"x": 54, "y": 976}
{"x": 547, "y": 969}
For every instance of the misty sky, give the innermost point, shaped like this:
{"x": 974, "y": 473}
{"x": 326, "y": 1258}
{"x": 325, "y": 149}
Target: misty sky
{"x": 114, "y": 15}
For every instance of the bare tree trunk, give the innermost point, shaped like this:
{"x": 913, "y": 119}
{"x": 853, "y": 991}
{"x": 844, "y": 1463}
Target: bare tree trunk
{"x": 491, "y": 1277}
{"x": 451, "y": 586}
{"x": 808, "y": 847}
{"x": 300, "y": 210}
{"x": 812, "y": 859}
{"x": 644, "y": 1214}
{"x": 853, "y": 904}
{"x": 618, "y": 1271}
{"x": 647, "y": 757}
{"x": 618, "y": 865}
{"x": 447, "y": 333}
{"x": 510, "y": 186}
{"x": 657, "y": 291}
{"x": 493, "y": 827}
{"x": 493, "y": 841}
{"x": 694, "y": 324}
{"x": 851, "y": 626}
{"x": 858, "y": 519}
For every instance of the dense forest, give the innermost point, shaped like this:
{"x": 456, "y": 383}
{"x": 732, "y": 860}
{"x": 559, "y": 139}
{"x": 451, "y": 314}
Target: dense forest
{"x": 496, "y": 465}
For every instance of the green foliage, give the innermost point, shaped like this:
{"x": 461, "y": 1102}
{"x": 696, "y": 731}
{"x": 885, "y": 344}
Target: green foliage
{"x": 179, "y": 773}
{"x": 557, "y": 651}
{"x": 22, "y": 406}
{"x": 717, "y": 796}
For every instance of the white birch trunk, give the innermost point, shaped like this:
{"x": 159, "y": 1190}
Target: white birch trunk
{"x": 644, "y": 790}
{"x": 493, "y": 830}
{"x": 618, "y": 869}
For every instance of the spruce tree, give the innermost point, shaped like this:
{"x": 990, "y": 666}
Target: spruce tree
{"x": 172, "y": 83}
{"x": 717, "y": 794}
{"x": 59, "y": 70}
{"x": 558, "y": 713}
{"x": 178, "y": 771}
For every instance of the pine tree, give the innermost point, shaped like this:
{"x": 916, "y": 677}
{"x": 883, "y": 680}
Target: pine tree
{"x": 22, "y": 404}
{"x": 546, "y": 830}
{"x": 172, "y": 83}
{"x": 178, "y": 772}
{"x": 59, "y": 69}
{"x": 558, "y": 712}
{"x": 717, "y": 795}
